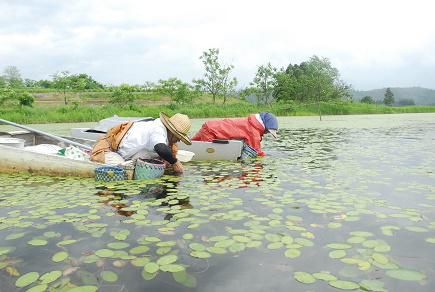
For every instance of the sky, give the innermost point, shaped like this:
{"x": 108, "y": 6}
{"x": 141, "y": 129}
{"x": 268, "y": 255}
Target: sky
{"x": 373, "y": 44}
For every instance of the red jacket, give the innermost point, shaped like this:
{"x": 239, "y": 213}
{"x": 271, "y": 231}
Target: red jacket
{"x": 249, "y": 129}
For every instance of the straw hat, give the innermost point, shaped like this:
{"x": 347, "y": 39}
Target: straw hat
{"x": 178, "y": 124}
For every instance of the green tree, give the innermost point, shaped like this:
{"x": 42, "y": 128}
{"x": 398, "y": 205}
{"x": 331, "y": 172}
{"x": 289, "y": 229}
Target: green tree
{"x": 177, "y": 90}
{"x": 29, "y": 83}
{"x": 264, "y": 83}
{"x": 367, "y": 99}
{"x": 62, "y": 82}
{"x": 44, "y": 84}
{"x": 123, "y": 94}
{"x": 388, "y": 97}
{"x": 83, "y": 81}
{"x": 216, "y": 79}
{"x": 315, "y": 80}
{"x": 12, "y": 76}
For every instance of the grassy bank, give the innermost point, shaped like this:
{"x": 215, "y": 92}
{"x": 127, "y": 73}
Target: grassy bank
{"x": 92, "y": 113}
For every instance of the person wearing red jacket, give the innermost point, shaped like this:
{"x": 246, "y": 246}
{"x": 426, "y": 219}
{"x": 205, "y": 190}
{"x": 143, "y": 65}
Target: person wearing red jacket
{"x": 250, "y": 129}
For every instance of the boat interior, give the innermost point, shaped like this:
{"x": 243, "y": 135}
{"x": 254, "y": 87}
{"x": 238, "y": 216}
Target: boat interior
{"x": 32, "y": 139}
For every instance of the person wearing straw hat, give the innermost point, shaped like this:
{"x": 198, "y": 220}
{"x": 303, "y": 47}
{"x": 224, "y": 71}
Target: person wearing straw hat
{"x": 146, "y": 139}
{"x": 250, "y": 129}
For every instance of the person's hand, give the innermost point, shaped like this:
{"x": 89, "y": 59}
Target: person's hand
{"x": 178, "y": 167}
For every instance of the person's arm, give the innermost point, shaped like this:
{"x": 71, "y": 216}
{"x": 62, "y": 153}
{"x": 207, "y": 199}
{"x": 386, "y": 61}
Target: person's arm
{"x": 165, "y": 152}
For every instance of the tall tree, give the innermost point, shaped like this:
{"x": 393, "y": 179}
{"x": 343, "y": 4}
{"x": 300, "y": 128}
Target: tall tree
{"x": 62, "y": 82}
{"x": 264, "y": 83}
{"x": 388, "y": 97}
{"x": 12, "y": 76}
{"x": 216, "y": 79}
{"x": 311, "y": 81}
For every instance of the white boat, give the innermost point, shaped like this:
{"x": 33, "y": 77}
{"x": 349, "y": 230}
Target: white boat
{"x": 18, "y": 159}
{"x": 216, "y": 150}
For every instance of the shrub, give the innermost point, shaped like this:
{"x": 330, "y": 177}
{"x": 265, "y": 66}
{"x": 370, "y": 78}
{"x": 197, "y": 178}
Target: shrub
{"x": 25, "y": 99}
{"x": 123, "y": 94}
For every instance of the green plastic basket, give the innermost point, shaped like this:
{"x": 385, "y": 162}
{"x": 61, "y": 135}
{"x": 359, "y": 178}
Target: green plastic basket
{"x": 248, "y": 152}
{"x": 109, "y": 173}
{"x": 148, "y": 168}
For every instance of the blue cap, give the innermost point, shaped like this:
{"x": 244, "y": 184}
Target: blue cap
{"x": 269, "y": 121}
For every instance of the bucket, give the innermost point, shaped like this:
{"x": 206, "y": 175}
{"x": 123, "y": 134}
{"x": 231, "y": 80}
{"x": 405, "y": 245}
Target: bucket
{"x": 148, "y": 168}
{"x": 12, "y": 142}
{"x": 109, "y": 173}
{"x": 185, "y": 156}
{"x": 248, "y": 152}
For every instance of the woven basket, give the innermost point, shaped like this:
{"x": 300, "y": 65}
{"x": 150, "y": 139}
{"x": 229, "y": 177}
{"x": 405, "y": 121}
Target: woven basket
{"x": 148, "y": 168}
{"x": 110, "y": 173}
{"x": 248, "y": 152}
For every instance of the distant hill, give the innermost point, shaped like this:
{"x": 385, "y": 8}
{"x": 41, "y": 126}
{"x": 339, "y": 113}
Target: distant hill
{"x": 421, "y": 96}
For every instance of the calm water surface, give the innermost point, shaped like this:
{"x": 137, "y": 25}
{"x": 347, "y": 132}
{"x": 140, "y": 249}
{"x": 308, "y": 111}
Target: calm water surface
{"x": 346, "y": 202}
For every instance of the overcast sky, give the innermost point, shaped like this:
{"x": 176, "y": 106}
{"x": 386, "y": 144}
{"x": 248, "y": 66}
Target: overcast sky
{"x": 374, "y": 44}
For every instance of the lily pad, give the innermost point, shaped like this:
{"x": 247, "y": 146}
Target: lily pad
{"x": 172, "y": 268}
{"x": 344, "y": 285}
{"x": 49, "y": 277}
{"x": 406, "y": 275}
{"x": 304, "y": 277}
{"x": 337, "y": 254}
{"x": 37, "y": 242}
{"x": 372, "y": 285}
{"x": 166, "y": 260}
{"x": 292, "y": 253}
{"x": 27, "y": 279}
{"x": 118, "y": 245}
{"x": 151, "y": 267}
{"x": 139, "y": 249}
{"x": 38, "y": 288}
{"x": 104, "y": 253}
{"x": 109, "y": 276}
{"x": 200, "y": 254}
{"x": 324, "y": 276}
{"x": 59, "y": 256}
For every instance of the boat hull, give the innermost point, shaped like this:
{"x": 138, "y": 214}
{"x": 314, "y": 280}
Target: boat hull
{"x": 15, "y": 160}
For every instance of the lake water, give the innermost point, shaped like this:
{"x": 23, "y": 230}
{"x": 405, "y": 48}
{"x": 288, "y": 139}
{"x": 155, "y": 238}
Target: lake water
{"x": 343, "y": 203}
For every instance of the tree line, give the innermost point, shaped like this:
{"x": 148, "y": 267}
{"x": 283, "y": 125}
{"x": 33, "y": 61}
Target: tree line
{"x": 313, "y": 81}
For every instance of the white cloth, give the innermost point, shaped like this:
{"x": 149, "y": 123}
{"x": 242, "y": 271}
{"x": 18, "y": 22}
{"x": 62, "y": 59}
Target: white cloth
{"x": 76, "y": 153}
{"x": 44, "y": 149}
{"x": 142, "y": 137}
{"x": 113, "y": 158}
{"x": 257, "y": 116}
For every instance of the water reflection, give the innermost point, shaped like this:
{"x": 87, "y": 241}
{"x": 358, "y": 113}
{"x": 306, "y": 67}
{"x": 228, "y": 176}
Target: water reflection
{"x": 245, "y": 174}
{"x": 161, "y": 191}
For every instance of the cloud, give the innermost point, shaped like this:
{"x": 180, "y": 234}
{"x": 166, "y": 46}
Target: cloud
{"x": 372, "y": 43}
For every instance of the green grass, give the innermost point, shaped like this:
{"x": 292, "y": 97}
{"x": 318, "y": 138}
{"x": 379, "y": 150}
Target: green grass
{"x": 93, "y": 113}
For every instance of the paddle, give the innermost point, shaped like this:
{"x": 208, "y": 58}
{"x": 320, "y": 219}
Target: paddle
{"x": 87, "y": 147}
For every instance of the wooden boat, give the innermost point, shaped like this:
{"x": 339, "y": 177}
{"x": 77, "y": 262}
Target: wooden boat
{"x": 13, "y": 160}
{"x": 216, "y": 150}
